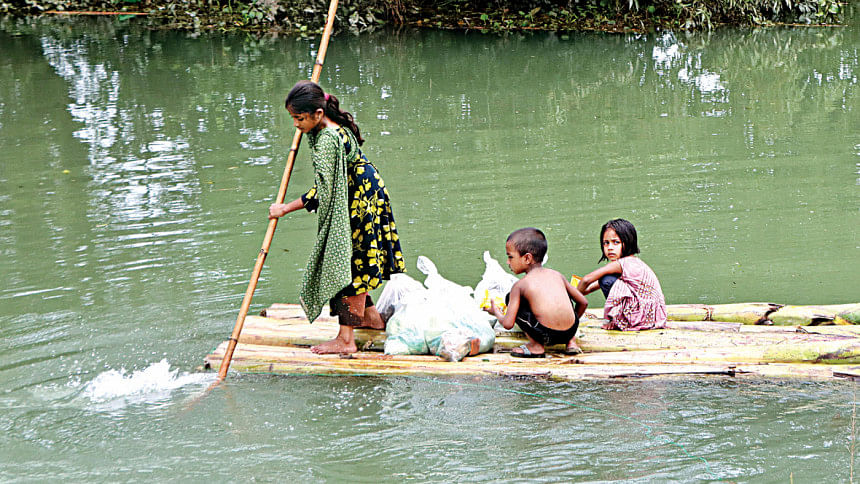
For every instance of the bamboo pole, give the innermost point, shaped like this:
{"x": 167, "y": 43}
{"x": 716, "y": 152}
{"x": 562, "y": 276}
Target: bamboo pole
{"x": 273, "y": 223}
{"x": 805, "y": 315}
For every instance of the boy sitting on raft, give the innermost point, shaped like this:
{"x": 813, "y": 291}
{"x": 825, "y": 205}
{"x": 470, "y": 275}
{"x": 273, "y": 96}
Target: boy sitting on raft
{"x": 541, "y": 303}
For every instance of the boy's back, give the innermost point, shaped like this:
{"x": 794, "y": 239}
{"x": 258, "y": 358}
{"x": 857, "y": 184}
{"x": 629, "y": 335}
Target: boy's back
{"x": 549, "y": 298}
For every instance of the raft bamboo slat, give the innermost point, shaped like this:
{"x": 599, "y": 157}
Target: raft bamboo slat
{"x": 850, "y": 373}
{"x": 264, "y": 331}
{"x": 818, "y": 352}
{"x": 761, "y": 313}
{"x": 744, "y": 313}
{"x": 812, "y": 315}
{"x": 293, "y": 312}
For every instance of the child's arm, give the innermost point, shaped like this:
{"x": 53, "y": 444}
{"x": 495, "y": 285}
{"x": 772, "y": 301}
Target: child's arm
{"x": 578, "y": 298}
{"x": 510, "y": 317}
{"x": 592, "y": 287}
{"x": 277, "y": 210}
{"x": 591, "y": 281}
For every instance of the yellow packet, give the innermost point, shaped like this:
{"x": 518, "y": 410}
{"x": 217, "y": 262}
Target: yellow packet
{"x": 500, "y": 303}
{"x": 574, "y": 280}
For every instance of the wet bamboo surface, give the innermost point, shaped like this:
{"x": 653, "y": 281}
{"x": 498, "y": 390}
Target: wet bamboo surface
{"x": 280, "y": 343}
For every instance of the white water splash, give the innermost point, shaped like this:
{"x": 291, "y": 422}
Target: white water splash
{"x": 149, "y": 385}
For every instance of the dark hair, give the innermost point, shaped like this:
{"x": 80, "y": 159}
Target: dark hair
{"x": 626, "y": 232}
{"x": 529, "y": 241}
{"x": 308, "y": 96}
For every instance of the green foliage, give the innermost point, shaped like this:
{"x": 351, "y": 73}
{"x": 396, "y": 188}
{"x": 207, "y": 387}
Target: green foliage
{"x": 645, "y": 14}
{"x": 707, "y": 14}
{"x": 308, "y": 16}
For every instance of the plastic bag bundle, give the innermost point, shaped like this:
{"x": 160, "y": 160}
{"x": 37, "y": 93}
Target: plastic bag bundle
{"x": 444, "y": 315}
{"x": 397, "y": 293}
{"x": 456, "y": 309}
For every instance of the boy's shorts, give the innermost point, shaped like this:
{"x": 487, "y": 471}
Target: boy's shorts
{"x": 527, "y": 321}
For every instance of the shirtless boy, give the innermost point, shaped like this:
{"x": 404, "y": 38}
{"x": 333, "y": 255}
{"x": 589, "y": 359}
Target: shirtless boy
{"x": 542, "y": 302}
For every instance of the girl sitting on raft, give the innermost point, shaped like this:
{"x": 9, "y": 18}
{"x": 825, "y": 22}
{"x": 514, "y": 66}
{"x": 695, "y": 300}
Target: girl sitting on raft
{"x": 634, "y": 299}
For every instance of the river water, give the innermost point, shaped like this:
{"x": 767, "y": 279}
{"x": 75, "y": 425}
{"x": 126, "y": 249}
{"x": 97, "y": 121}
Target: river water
{"x": 136, "y": 168}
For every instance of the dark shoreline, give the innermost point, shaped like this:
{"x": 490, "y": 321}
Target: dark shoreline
{"x": 307, "y": 18}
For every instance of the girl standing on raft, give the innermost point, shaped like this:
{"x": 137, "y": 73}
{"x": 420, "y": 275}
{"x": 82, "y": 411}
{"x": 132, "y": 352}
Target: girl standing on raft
{"x": 634, "y": 299}
{"x": 357, "y": 244}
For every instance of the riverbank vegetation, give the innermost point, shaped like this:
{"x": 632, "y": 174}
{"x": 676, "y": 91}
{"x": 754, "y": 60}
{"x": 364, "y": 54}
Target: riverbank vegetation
{"x": 308, "y": 16}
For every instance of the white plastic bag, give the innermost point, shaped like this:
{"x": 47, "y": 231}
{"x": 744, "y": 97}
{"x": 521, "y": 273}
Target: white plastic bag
{"x": 453, "y": 340}
{"x": 405, "y": 332}
{"x": 395, "y": 294}
{"x": 455, "y": 344}
{"x": 495, "y": 284}
{"x": 435, "y": 281}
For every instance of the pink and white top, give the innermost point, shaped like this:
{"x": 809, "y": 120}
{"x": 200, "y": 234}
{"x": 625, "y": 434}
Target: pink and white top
{"x": 636, "y": 300}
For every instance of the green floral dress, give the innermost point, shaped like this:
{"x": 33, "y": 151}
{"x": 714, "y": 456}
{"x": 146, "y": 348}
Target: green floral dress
{"x": 357, "y": 244}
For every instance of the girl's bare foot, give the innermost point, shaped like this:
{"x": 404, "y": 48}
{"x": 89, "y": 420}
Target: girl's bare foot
{"x": 335, "y": 346}
{"x": 344, "y": 342}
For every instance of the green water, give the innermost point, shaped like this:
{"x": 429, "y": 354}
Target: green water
{"x": 136, "y": 168}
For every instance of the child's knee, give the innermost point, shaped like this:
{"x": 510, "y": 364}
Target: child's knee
{"x": 606, "y": 283}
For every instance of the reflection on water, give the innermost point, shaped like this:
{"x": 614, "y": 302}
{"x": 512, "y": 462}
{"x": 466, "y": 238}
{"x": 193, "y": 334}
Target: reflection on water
{"x": 137, "y": 167}
{"x": 148, "y": 176}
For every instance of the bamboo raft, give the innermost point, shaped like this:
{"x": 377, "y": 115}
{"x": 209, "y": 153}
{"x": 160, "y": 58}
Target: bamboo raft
{"x": 755, "y": 339}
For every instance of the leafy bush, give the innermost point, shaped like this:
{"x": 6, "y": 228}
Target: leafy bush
{"x": 309, "y": 15}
